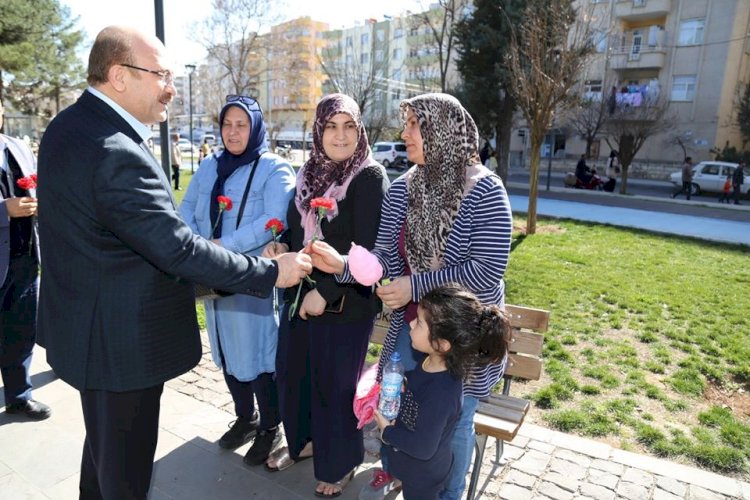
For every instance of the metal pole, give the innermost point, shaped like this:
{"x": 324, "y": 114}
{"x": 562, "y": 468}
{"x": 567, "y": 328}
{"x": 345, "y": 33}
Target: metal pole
{"x": 166, "y": 159}
{"x": 549, "y": 162}
{"x": 191, "y": 68}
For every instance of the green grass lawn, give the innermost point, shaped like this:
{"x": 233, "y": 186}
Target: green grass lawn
{"x": 649, "y": 340}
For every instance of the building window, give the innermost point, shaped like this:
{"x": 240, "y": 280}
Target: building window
{"x": 396, "y": 74}
{"x": 364, "y": 39}
{"x": 381, "y": 35}
{"x": 349, "y": 59}
{"x": 413, "y": 52}
{"x": 599, "y": 40}
{"x": 691, "y": 32}
{"x": 364, "y": 58}
{"x": 683, "y": 88}
{"x": 398, "y": 33}
{"x": 398, "y": 54}
{"x": 592, "y": 90}
{"x": 349, "y": 42}
{"x": 414, "y": 32}
{"x": 379, "y": 55}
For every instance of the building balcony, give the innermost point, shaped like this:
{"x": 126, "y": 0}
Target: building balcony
{"x": 641, "y": 10}
{"x": 638, "y": 57}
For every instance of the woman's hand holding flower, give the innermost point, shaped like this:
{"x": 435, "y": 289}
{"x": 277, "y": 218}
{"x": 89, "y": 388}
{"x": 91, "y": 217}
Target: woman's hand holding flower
{"x": 397, "y": 293}
{"x": 312, "y": 305}
{"x": 325, "y": 257}
{"x": 270, "y": 251}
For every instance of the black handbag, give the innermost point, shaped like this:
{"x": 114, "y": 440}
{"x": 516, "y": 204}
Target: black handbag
{"x": 203, "y": 292}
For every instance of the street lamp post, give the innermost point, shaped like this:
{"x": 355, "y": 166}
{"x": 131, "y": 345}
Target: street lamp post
{"x": 191, "y": 69}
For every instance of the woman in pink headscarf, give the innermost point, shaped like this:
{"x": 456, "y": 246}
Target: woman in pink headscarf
{"x": 322, "y": 346}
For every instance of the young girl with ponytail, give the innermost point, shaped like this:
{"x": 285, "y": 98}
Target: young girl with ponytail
{"x": 455, "y": 331}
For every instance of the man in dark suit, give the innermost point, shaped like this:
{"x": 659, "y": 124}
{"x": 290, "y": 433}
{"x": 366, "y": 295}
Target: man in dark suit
{"x": 19, "y": 273}
{"x": 116, "y": 304}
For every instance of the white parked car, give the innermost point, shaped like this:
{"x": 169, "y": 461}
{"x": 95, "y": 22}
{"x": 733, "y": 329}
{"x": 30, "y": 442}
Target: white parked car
{"x": 390, "y": 153}
{"x": 186, "y": 147}
{"x": 710, "y": 176}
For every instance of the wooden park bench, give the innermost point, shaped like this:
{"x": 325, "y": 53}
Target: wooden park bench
{"x": 501, "y": 415}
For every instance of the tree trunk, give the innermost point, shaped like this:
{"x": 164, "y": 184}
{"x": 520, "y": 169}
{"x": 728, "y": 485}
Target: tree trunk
{"x": 624, "y": 178}
{"x": 536, "y": 152}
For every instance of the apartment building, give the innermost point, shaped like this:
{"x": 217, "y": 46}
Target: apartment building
{"x": 693, "y": 55}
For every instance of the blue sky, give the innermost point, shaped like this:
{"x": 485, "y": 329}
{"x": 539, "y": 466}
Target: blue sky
{"x": 179, "y": 15}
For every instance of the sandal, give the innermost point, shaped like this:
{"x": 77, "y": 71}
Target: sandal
{"x": 338, "y": 484}
{"x": 283, "y": 460}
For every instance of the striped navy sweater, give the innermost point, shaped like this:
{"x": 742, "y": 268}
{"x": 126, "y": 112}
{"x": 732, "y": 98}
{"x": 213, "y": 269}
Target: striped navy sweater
{"x": 476, "y": 256}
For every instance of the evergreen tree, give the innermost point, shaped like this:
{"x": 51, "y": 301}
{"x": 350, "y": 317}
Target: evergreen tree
{"x": 483, "y": 42}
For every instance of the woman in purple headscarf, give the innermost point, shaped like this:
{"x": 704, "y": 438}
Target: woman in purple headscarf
{"x": 322, "y": 346}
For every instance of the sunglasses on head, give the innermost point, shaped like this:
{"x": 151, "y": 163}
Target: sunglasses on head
{"x": 249, "y": 101}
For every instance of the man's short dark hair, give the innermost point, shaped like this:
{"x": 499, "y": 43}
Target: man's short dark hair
{"x": 688, "y": 158}
{"x": 112, "y": 46}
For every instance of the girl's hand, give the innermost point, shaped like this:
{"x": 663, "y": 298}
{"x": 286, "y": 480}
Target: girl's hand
{"x": 270, "y": 253}
{"x": 312, "y": 305}
{"x": 397, "y": 293}
{"x": 381, "y": 421}
{"x": 325, "y": 257}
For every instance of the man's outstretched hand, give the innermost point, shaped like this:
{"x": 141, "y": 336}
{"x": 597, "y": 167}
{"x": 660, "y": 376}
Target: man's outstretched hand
{"x": 293, "y": 267}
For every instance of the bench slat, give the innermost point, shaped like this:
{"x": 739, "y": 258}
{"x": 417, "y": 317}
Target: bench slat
{"x": 526, "y": 342}
{"x": 524, "y": 367}
{"x": 496, "y": 427}
{"x": 509, "y": 414}
{"x": 504, "y": 401}
{"x": 528, "y": 317}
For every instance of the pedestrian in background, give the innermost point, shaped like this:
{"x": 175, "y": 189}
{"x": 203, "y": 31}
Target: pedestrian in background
{"x": 738, "y": 177}
{"x": 726, "y": 190}
{"x": 176, "y": 160}
{"x": 687, "y": 178}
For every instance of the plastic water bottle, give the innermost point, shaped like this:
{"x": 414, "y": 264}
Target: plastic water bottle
{"x": 390, "y": 387}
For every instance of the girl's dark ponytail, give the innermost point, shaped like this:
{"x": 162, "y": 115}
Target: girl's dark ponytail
{"x": 494, "y": 334}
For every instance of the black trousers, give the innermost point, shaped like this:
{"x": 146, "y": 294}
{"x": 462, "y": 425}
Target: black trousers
{"x": 121, "y": 434}
{"x": 176, "y": 176}
{"x": 317, "y": 369}
{"x": 263, "y": 388}
{"x": 18, "y": 299}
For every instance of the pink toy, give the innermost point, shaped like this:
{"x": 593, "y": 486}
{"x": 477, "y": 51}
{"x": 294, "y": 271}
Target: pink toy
{"x": 364, "y": 266}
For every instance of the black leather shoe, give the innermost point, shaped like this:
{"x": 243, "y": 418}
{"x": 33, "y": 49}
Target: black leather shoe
{"x": 241, "y": 431}
{"x": 30, "y": 409}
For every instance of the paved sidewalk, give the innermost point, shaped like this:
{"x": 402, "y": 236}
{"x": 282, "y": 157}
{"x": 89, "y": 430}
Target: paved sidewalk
{"x": 40, "y": 460}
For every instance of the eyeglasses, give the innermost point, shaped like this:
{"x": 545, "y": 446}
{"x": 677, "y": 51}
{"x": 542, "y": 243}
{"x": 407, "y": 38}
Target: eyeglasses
{"x": 249, "y": 101}
{"x": 166, "y": 76}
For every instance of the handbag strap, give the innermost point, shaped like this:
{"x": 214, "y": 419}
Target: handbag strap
{"x": 247, "y": 191}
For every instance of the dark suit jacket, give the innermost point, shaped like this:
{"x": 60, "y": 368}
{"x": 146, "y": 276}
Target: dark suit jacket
{"x": 26, "y": 161}
{"x": 116, "y": 305}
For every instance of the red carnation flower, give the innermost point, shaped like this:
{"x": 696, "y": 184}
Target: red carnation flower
{"x": 28, "y": 182}
{"x": 275, "y": 225}
{"x": 327, "y": 203}
{"x": 225, "y": 202}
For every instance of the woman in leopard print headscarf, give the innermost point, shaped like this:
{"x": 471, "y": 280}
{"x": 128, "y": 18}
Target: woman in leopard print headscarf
{"x": 447, "y": 219}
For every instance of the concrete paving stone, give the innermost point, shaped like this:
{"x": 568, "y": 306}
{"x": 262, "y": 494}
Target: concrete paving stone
{"x": 189, "y": 390}
{"x": 554, "y": 491}
{"x": 519, "y": 478}
{"x": 510, "y": 452}
{"x": 745, "y": 490}
{"x": 67, "y": 489}
{"x": 568, "y": 469}
{"x": 513, "y": 492}
{"x": 671, "y": 485}
{"x": 597, "y": 491}
{"x": 205, "y": 383}
{"x": 698, "y": 493}
{"x": 15, "y": 487}
{"x": 519, "y": 441}
{"x": 532, "y": 462}
{"x": 639, "y": 477}
{"x": 535, "y": 432}
{"x": 540, "y": 446}
{"x": 606, "y": 465}
{"x": 576, "y": 458}
{"x": 581, "y": 445}
{"x": 565, "y": 482}
{"x": 4, "y": 469}
{"x": 631, "y": 491}
{"x": 690, "y": 475}
{"x": 189, "y": 377}
{"x": 660, "y": 494}
{"x": 602, "y": 478}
